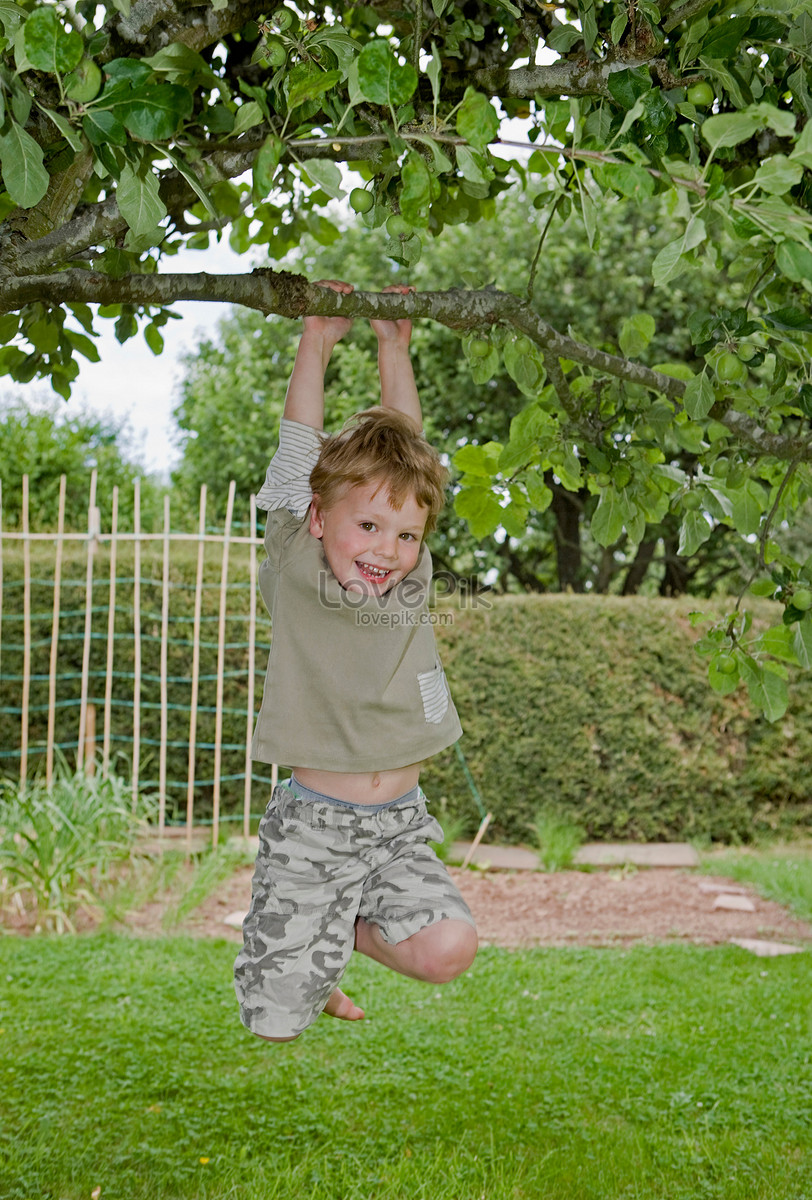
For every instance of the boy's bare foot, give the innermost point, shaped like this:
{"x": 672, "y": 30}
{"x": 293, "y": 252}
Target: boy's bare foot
{"x": 339, "y": 1005}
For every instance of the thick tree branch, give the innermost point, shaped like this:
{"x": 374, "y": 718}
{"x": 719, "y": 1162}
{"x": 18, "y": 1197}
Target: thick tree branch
{"x": 287, "y": 295}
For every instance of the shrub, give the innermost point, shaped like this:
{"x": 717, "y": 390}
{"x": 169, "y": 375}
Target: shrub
{"x": 60, "y": 847}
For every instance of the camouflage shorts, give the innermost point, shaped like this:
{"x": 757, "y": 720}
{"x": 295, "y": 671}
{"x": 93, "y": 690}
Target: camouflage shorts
{"x": 321, "y": 865}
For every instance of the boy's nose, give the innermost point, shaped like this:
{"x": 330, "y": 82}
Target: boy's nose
{"x": 387, "y": 546}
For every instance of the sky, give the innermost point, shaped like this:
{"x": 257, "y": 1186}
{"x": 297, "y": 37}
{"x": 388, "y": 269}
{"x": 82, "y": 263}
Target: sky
{"x": 132, "y": 384}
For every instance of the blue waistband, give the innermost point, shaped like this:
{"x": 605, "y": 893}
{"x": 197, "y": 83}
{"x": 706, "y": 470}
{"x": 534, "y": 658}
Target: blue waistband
{"x": 307, "y": 794}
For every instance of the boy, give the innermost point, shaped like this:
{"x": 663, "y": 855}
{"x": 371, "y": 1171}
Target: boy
{"x": 354, "y": 699}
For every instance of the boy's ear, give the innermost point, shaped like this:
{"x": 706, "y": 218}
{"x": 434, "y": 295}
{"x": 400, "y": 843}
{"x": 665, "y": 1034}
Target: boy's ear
{"x": 316, "y": 517}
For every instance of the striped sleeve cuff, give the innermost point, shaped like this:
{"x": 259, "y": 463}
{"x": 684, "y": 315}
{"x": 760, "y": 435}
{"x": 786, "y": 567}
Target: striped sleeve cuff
{"x": 287, "y": 481}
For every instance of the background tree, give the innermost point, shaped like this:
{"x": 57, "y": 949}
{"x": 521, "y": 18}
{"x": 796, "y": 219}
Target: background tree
{"x": 46, "y": 444}
{"x": 235, "y": 384}
{"x": 127, "y": 131}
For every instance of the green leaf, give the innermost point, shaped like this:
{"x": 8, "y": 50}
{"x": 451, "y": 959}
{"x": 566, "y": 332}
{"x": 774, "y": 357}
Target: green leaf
{"x": 266, "y": 163}
{"x": 102, "y": 128}
{"x": 629, "y": 180}
{"x": 538, "y": 493}
{"x": 589, "y": 24}
{"x": 48, "y": 46}
{"x": 326, "y": 175}
{"x": 415, "y": 194}
{"x": 694, "y": 530}
{"x": 191, "y": 178}
{"x": 310, "y": 86}
{"x": 803, "y": 149}
{"x": 729, "y": 129}
{"x": 477, "y": 121}
{"x": 635, "y": 334}
{"x": 478, "y": 460}
{"x": 480, "y": 508}
{"x": 802, "y": 641}
{"x": 433, "y": 68}
{"x": 608, "y": 519}
{"x": 748, "y": 504}
{"x": 382, "y": 79}
{"x": 24, "y": 175}
{"x": 766, "y": 688}
{"x": 474, "y": 165}
{"x": 777, "y": 641}
{"x": 442, "y": 162}
{"x": 795, "y": 261}
{"x": 69, "y": 133}
{"x": 628, "y": 85}
{"x": 671, "y": 262}
{"x": 248, "y": 115}
{"x": 699, "y": 397}
{"x": 523, "y": 365}
{"x": 154, "y": 114}
{"x": 138, "y": 200}
{"x": 724, "y": 38}
{"x": 153, "y": 338}
{"x": 777, "y": 174}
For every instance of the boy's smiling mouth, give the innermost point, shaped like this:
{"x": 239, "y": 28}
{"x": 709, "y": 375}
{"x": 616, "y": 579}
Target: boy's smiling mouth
{"x": 375, "y": 574}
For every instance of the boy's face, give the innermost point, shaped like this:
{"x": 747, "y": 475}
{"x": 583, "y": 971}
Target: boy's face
{"x": 369, "y": 545}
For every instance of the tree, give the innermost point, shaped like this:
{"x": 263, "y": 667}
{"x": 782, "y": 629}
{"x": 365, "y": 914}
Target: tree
{"x": 234, "y": 386}
{"x": 125, "y": 139}
{"x": 45, "y": 445}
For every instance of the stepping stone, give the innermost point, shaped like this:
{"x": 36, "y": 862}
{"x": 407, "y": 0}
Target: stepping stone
{"x": 637, "y": 854}
{"x": 765, "y": 949}
{"x": 235, "y": 919}
{"x": 504, "y": 858}
{"x": 734, "y": 903}
{"x": 727, "y": 888}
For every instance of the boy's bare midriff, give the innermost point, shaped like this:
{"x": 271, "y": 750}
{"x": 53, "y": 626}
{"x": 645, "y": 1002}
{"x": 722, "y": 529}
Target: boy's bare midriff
{"x": 369, "y": 787}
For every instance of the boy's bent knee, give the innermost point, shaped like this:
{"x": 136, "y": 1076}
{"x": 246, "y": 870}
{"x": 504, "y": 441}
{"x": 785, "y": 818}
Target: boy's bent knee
{"x": 448, "y": 951}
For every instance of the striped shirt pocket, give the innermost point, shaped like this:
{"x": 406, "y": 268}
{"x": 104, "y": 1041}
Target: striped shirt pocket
{"x": 434, "y": 694}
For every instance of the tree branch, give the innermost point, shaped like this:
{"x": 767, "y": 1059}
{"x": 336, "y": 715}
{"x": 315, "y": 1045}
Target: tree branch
{"x": 288, "y": 295}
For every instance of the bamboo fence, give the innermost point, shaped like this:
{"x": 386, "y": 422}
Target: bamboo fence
{"x": 93, "y": 539}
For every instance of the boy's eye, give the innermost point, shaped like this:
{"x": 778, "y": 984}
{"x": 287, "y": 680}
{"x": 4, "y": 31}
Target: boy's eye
{"x": 408, "y": 537}
{"x": 367, "y": 525}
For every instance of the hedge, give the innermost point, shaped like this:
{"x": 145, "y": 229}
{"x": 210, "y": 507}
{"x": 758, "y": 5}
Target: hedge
{"x": 596, "y": 707}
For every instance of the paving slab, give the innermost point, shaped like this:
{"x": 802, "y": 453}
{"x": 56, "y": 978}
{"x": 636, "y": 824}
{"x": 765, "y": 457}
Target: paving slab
{"x": 727, "y": 888}
{"x": 593, "y": 854}
{"x": 501, "y": 858}
{"x": 731, "y": 902}
{"x": 765, "y": 949}
{"x": 637, "y": 854}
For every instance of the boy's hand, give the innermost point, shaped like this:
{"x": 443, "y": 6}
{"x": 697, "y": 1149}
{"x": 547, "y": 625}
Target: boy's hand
{"x": 394, "y": 331}
{"x": 332, "y": 329}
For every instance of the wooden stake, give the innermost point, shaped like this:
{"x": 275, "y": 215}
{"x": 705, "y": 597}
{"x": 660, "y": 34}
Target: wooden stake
{"x": 190, "y": 785}
{"x": 252, "y": 637}
{"x": 111, "y": 637}
{"x": 52, "y": 666}
{"x": 93, "y": 523}
{"x": 221, "y": 651}
{"x": 90, "y": 741}
{"x": 164, "y": 671}
{"x": 480, "y": 833}
{"x": 26, "y": 639}
{"x": 136, "y": 641}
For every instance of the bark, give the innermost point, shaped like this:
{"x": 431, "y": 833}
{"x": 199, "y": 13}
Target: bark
{"x": 567, "y": 511}
{"x": 639, "y": 568}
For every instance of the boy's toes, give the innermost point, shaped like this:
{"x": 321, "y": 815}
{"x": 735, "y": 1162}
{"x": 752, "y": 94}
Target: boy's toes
{"x": 339, "y": 1005}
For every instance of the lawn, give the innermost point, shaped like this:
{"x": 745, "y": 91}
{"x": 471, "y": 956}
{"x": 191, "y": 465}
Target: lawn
{"x": 673, "y": 1072}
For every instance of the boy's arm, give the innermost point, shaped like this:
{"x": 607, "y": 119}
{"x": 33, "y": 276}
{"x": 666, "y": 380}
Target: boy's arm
{"x": 304, "y": 401}
{"x": 398, "y": 387}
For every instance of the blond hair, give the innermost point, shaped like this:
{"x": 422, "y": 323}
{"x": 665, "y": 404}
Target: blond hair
{"x": 381, "y": 445}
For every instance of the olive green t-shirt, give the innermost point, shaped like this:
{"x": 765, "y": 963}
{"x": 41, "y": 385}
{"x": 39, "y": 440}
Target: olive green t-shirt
{"x": 354, "y": 682}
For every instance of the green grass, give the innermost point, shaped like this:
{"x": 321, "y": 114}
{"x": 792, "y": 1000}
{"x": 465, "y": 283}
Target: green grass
{"x": 779, "y": 871}
{"x": 660, "y": 1073}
